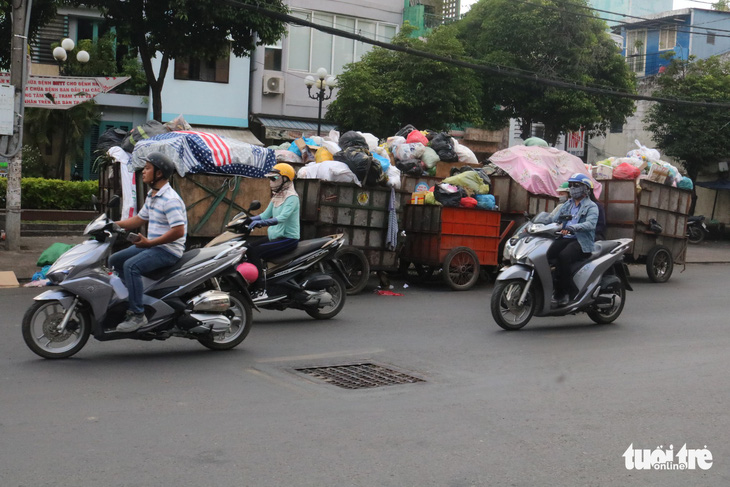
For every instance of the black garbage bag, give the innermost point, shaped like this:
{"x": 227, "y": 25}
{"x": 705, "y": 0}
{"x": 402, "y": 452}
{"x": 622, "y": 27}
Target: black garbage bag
{"x": 447, "y": 198}
{"x": 352, "y": 139}
{"x": 360, "y": 162}
{"x": 149, "y": 129}
{"x": 111, "y": 138}
{"x": 412, "y": 167}
{"x": 405, "y": 131}
{"x": 441, "y": 143}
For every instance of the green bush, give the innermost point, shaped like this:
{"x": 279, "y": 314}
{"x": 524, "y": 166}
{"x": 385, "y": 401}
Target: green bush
{"x": 52, "y": 194}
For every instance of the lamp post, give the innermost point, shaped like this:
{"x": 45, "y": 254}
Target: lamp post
{"x": 67, "y": 45}
{"x": 323, "y": 81}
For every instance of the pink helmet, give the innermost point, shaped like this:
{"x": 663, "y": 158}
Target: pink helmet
{"x": 249, "y": 271}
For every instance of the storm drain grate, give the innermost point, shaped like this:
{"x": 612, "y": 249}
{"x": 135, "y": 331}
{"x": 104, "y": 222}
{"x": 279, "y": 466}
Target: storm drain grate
{"x": 359, "y": 376}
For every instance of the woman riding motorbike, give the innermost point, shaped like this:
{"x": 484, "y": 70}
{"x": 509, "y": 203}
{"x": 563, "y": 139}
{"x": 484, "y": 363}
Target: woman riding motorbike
{"x": 580, "y": 215}
{"x": 282, "y": 219}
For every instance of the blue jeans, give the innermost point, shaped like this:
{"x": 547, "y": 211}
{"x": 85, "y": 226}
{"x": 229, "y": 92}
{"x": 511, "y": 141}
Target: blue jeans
{"x": 134, "y": 262}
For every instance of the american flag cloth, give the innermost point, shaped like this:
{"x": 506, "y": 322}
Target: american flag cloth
{"x": 203, "y": 152}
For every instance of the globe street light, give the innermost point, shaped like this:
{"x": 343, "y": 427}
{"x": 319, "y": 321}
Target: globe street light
{"x": 323, "y": 81}
{"x": 67, "y": 45}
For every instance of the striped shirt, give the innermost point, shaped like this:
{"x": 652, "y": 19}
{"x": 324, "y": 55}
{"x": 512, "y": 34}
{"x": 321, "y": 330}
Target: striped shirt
{"x": 163, "y": 211}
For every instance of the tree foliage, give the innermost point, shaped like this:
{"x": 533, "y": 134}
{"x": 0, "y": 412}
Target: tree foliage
{"x": 549, "y": 39}
{"x": 388, "y": 89}
{"x": 698, "y": 136}
{"x": 183, "y": 28}
{"x": 42, "y": 12}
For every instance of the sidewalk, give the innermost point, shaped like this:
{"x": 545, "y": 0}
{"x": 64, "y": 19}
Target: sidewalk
{"x": 23, "y": 262}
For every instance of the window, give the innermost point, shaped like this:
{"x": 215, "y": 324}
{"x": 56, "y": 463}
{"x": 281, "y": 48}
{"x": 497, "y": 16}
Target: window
{"x": 617, "y": 127}
{"x": 272, "y": 57}
{"x": 636, "y": 50}
{"x": 711, "y": 38}
{"x": 310, "y": 49}
{"x": 667, "y": 38}
{"x": 197, "y": 69}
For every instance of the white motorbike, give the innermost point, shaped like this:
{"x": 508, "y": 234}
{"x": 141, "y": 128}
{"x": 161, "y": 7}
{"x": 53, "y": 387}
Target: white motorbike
{"x": 525, "y": 287}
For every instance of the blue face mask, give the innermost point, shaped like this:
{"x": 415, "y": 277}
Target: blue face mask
{"x": 578, "y": 192}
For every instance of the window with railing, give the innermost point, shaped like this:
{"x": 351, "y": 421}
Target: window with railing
{"x": 667, "y": 38}
{"x": 636, "y": 50}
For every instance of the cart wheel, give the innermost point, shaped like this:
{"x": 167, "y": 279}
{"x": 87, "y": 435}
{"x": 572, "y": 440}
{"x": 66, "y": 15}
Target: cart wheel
{"x": 356, "y": 267}
{"x": 461, "y": 268}
{"x": 415, "y": 273}
{"x": 659, "y": 264}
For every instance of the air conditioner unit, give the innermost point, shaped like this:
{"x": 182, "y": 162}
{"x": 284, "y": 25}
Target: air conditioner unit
{"x": 273, "y": 84}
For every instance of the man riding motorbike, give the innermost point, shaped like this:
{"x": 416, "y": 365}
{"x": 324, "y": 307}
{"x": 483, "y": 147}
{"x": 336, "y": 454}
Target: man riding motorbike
{"x": 282, "y": 219}
{"x": 164, "y": 211}
{"x": 580, "y": 216}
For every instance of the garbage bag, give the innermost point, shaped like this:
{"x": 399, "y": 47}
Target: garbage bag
{"x": 429, "y": 157}
{"x": 352, "y": 139}
{"x": 403, "y": 152}
{"x": 322, "y": 155}
{"x": 360, "y": 162}
{"x": 441, "y": 143}
{"x": 411, "y": 167}
{"x": 416, "y": 136}
{"x": 448, "y": 195}
{"x": 110, "y": 138}
{"x": 485, "y": 201}
{"x": 52, "y": 253}
{"x": 149, "y": 129}
{"x": 465, "y": 154}
{"x": 536, "y": 141}
{"x": 371, "y": 140}
{"x": 469, "y": 180}
{"x": 685, "y": 183}
{"x": 468, "y": 202}
{"x": 405, "y": 131}
{"x": 626, "y": 171}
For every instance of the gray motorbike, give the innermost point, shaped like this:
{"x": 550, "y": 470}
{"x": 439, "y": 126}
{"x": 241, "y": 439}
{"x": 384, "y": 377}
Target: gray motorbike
{"x": 178, "y": 301}
{"x": 525, "y": 287}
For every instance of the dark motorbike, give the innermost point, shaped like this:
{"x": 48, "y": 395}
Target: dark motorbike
{"x": 696, "y": 229}
{"x": 177, "y": 300}
{"x": 309, "y": 278}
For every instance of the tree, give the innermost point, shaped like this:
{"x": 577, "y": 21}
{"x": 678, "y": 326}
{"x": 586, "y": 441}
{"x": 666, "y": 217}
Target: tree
{"x": 549, "y": 39}
{"x": 698, "y": 136}
{"x": 42, "y": 12}
{"x": 182, "y": 28}
{"x": 721, "y": 5}
{"x": 388, "y": 89}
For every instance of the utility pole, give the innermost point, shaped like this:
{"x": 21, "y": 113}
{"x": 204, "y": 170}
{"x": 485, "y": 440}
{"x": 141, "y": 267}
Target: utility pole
{"x": 11, "y": 146}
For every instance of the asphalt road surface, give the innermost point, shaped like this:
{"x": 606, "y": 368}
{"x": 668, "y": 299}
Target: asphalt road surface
{"x": 555, "y": 404}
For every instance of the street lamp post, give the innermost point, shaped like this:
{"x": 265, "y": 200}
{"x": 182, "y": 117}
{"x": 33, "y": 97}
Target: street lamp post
{"x": 323, "y": 81}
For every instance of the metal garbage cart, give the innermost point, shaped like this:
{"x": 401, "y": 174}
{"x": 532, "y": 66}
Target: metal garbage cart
{"x": 459, "y": 240}
{"x": 361, "y": 213}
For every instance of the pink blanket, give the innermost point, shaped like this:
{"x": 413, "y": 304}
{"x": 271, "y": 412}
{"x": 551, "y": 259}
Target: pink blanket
{"x": 541, "y": 170}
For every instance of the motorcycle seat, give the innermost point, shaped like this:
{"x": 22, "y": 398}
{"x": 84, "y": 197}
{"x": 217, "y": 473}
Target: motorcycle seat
{"x": 303, "y": 247}
{"x": 600, "y": 249}
{"x": 203, "y": 254}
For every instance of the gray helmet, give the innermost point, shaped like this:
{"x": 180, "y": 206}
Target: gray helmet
{"x": 161, "y": 162}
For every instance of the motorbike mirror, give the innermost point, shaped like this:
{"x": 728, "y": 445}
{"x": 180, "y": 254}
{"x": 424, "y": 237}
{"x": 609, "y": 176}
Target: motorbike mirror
{"x": 255, "y": 205}
{"x": 114, "y": 201}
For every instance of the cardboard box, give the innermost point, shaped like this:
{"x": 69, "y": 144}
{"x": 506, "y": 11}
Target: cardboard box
{"x": 602, "y": 172}
{"x": 419, "y": 198}
{"x": 8, "y": 279}
{"x": 658, "y": 173}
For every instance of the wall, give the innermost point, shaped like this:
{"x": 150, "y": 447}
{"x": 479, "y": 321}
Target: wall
{"x": 638, "y": 8}
{"x": 295, "y": 102}
{"x": 206, "y": 103}
{"x": 706, "y": 21}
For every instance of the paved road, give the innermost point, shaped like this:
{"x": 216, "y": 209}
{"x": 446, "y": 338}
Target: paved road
{"x": 556, "y": 403}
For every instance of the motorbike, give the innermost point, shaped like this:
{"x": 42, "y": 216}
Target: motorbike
{"x": 91, "y": 299}
{"x": 696, "y": 229}
{"x": 309, "y": 278}
{"x": 525, "y": 287}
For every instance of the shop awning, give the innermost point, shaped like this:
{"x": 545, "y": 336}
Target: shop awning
{"x": 283, "y": 129}
{"x": 243, "y": 135}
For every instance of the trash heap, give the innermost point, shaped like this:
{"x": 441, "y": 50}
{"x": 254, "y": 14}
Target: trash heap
{"x": 361, "y": 158}
{"x": 641, "y": 163}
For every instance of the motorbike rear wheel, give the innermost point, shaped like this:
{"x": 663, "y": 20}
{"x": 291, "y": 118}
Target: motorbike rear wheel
{"x": 606, "y": 316}
{"x": 42, "y": 337}
{"x": 241, "y": 317}
{"x": 339, "y": 293}
{"x": 695, "y": 234}
{"x": 505, "y": 310}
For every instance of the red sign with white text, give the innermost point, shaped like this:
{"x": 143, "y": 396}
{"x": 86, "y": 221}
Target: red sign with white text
{"x": 63, "y": 92}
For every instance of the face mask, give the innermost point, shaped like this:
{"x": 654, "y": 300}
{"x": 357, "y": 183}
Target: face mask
{"x": 562, "y": 198}
{"x": 578, "y": 192}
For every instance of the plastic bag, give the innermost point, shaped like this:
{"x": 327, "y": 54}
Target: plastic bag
{"x": 464, "y": 153}
{"x": 52, "y": 253}
{"x": 294, "y": 147}
{"x": 470, "y": 180}
{"x": 178, "y": 123}
{"x": 405, "y": 131}
{"x": 685, "y": 183}
{"x": 352, "y": 139}
{"x": 149, "y": 129}
{"x": 485, "y": 201}
{"x": 536, "y": 142}
{"x": 110, "y": 138}
{"x": 384, "y": 161}
{"x": 468, "y": 202}
{"x": 370, "y": 139}
{"x": 441, "y": 143}
{"x": 394, "y": 177}
{"x": 626, "y": 171}
{"x": 411, "y": 167}
{"x": 448, "y": 195}
{"x": 322, "y": 155}
{"x": 643, "y": 152}
{"x": 430, "y": 158}
{"x": 416, "y": 136}
{"x": 328, "y": 171}
{"x": 403, "y": 152}
{"x": 287, "y": 156}
{"x": 360, "y": 162}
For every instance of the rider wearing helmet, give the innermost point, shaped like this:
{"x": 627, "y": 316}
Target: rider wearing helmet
{"x": 580, "y": 215}
{"x": 281, "y": 217}
{"x": 164, "y": 211}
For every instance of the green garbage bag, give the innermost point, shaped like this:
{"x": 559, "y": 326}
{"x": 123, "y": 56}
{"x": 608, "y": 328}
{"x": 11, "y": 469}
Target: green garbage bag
{"x": 52, "y": 253}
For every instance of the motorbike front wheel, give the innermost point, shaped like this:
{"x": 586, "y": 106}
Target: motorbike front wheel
{"x": 504, "y": 304}
{"x": 41, "y": 334}
{"x": 241, "y": 317}
{"x": 339, "y": 293}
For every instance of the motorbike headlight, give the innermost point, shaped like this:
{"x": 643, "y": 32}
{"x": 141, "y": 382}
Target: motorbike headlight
{"x": 56, "y": 276}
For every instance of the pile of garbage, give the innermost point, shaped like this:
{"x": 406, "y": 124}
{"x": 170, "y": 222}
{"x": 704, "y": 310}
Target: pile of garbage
{"x": 641, "y": 163}
{"x": 363, "y": 159}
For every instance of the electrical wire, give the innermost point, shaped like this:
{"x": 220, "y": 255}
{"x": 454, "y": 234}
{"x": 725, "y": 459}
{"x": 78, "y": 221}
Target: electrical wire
{"x": 492, "y": 69}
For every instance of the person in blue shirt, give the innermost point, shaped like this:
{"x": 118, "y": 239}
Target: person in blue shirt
{"x": 282, "y": 219}
{"x": 580, "y": 215}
